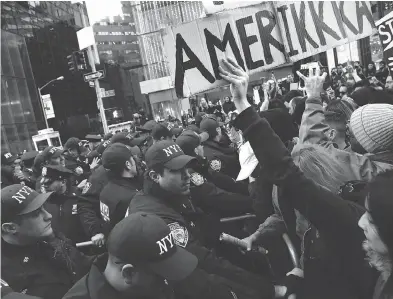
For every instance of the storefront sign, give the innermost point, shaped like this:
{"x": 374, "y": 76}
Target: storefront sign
{"x": 259, "y": 37}
{"x": 385, "y": 30}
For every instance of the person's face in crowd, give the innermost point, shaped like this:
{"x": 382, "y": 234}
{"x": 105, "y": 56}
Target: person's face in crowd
{"x": 73, "y": 152}
{"x": 93, "y": 145}
{"x": 175, "y": 181}
{"x": 134, "y": 282}
{"x": 339, "y": 69}
{"x": 290, "y": 78}
{"x": 334, "y": 71}
{"x": 373, "y": 245}
{"x": 199, "y": 150}
{"x": 30, "y": 227}
{"x": 203, "y": 102}
{"x": 57, "y": 186}
{"x": 210, "y": 104}
{"x": 382, "y": 65}
{"x": 343, "y": 91}
{"x": 370, "y": 66}
{"x": 389, "y": 83}
{"x": 131, "y": 166}
{"x": 17, "y": 165}
{"x": 349, "y": 69}
{"x": 356, "y": 64}
{"x": 355, "y": 145}
{"x": 226, "y": 99}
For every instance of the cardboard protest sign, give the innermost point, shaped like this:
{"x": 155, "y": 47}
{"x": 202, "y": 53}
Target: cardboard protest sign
{"x": 250, "y": 35}
{"x": 311, "y": 27}
{"x": 259, "y": 37}
{"x": 385, "y": 30}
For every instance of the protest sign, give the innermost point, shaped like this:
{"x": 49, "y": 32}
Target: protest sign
{"x": 259, "y": 37}
{"x": 309, "y": 28}
{"x": 250, "y": 35}
{"x": 385, "y": 30}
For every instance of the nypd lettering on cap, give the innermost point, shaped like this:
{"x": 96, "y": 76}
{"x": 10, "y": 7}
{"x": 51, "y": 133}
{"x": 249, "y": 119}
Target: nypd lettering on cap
{"x": 165, "y": 243}
{"x": 180, "y": 234}
{"x": 22, "y": 193}
{"x": 172, "y": 149}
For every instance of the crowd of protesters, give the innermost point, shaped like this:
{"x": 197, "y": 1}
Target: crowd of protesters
{"x": 301, "y": 178}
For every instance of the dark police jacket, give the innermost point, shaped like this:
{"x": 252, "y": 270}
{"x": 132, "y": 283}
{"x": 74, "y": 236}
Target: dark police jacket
{"x": 39, "y": 270}
{"x": 89, "y": 204}
{"x": 222, "y": 158}
{"x": 189, "y": 227}
{"x": 95, "y": 286}
{"x": 65, "y": 218}
{"x": 115, "y": 199}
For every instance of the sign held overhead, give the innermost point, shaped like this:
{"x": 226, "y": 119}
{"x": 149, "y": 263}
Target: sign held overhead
{"x": 385, "y": 30}
{"x": 259, "y": 37}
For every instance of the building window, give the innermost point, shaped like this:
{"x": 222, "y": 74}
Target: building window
{"x": 102, "y": 33}
{"x": 103, "y": 23}
{"x": 116, "y": 33}
{"x": 129, "y": 33}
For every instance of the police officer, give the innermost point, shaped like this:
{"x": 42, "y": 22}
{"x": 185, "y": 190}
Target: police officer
{"x": 26, "y": 174}
{"x": 34, "y": 260}
{"x": 7, "y": 169}
{"x": 208, "y": 195}
{"x": 166, "y": 194}
{"x": 221, "y": 158}
{"x": 94, "y": 140}
{"x": 63, "y": 204}
{"x": 89, "y": 205}
{"x": 142, "y": 262}
{"x": 122, "y": 186}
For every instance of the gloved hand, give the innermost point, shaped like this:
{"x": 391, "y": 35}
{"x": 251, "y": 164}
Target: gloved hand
{"x": 98, "y": 240}
{"x": 294, "y": 281}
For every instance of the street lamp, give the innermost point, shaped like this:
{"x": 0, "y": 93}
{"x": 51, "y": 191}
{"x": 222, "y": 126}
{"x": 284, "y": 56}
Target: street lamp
{"x": 42, "y": 102}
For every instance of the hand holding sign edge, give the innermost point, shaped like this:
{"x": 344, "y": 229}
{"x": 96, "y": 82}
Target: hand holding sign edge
{"x": 239, "y": 83}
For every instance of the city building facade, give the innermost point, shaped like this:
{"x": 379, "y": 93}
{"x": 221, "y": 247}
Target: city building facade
{"x": 36, "y": 38}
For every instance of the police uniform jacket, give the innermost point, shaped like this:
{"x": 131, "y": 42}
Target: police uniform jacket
{"x": 65, "y": 218}
{"x": 187, "y": 225}
{"x": 221, "y": 158}
{"x": 95, "y": 286}
{"x": 115, "y": 199}
{"x": 89, "y": 203}
{"x": 39, "y": 270}
{"x": 212, "y": 199}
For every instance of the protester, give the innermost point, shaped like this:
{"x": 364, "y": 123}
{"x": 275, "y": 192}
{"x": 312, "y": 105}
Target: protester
{"x": 123, "y": 183}
{"x": 383, "y": 72}
{"x": 203, "y": 107}
{"x": 35, "y": 260}
{"x": 320, "y": 206}
{"x": 228, "y": 105}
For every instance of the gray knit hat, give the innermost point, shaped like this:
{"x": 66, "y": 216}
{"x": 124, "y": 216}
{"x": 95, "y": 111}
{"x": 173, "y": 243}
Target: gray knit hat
{"x": 372, "y": 126}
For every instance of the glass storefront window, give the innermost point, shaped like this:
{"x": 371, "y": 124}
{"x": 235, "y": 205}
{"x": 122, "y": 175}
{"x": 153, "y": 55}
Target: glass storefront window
{"x": 162, "y": 110}
{"x": 376, "y": 49}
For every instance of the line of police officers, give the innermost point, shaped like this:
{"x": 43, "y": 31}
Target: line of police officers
{"x": 85, "y": 195}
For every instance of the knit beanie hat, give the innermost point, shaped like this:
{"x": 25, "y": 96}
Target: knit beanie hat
{"x": 372, "y": 126}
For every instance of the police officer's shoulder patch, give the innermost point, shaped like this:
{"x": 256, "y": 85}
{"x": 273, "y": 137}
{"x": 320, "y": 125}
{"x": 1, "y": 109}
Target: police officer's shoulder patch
{"x": 179, "y": 233}
{"x": 86, "y": 188}
{"x": 215, "y": 164}
{"x": 197, "y": 179}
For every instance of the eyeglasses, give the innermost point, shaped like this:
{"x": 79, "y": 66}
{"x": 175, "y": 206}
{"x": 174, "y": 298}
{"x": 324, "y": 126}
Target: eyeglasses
{"x": 343, "y": 92}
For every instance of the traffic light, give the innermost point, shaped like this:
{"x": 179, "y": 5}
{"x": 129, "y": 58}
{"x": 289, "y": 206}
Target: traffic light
{"x": 71, "y": 62}
{"x": 81, "y": 60}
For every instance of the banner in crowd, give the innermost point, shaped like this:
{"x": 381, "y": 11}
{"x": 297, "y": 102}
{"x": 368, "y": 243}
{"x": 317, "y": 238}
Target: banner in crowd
{"x": 259, "y": 37}
{"x": 385, "y": 30}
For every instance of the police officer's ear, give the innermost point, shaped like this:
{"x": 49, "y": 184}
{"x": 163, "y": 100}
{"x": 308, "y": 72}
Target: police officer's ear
{"x": 128, "y": 272}
{"x": 9, "y": 228}
{"x": 332, "y": 133}
{"x": 130, "y": 163}
{"x": 154, "y": 176}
